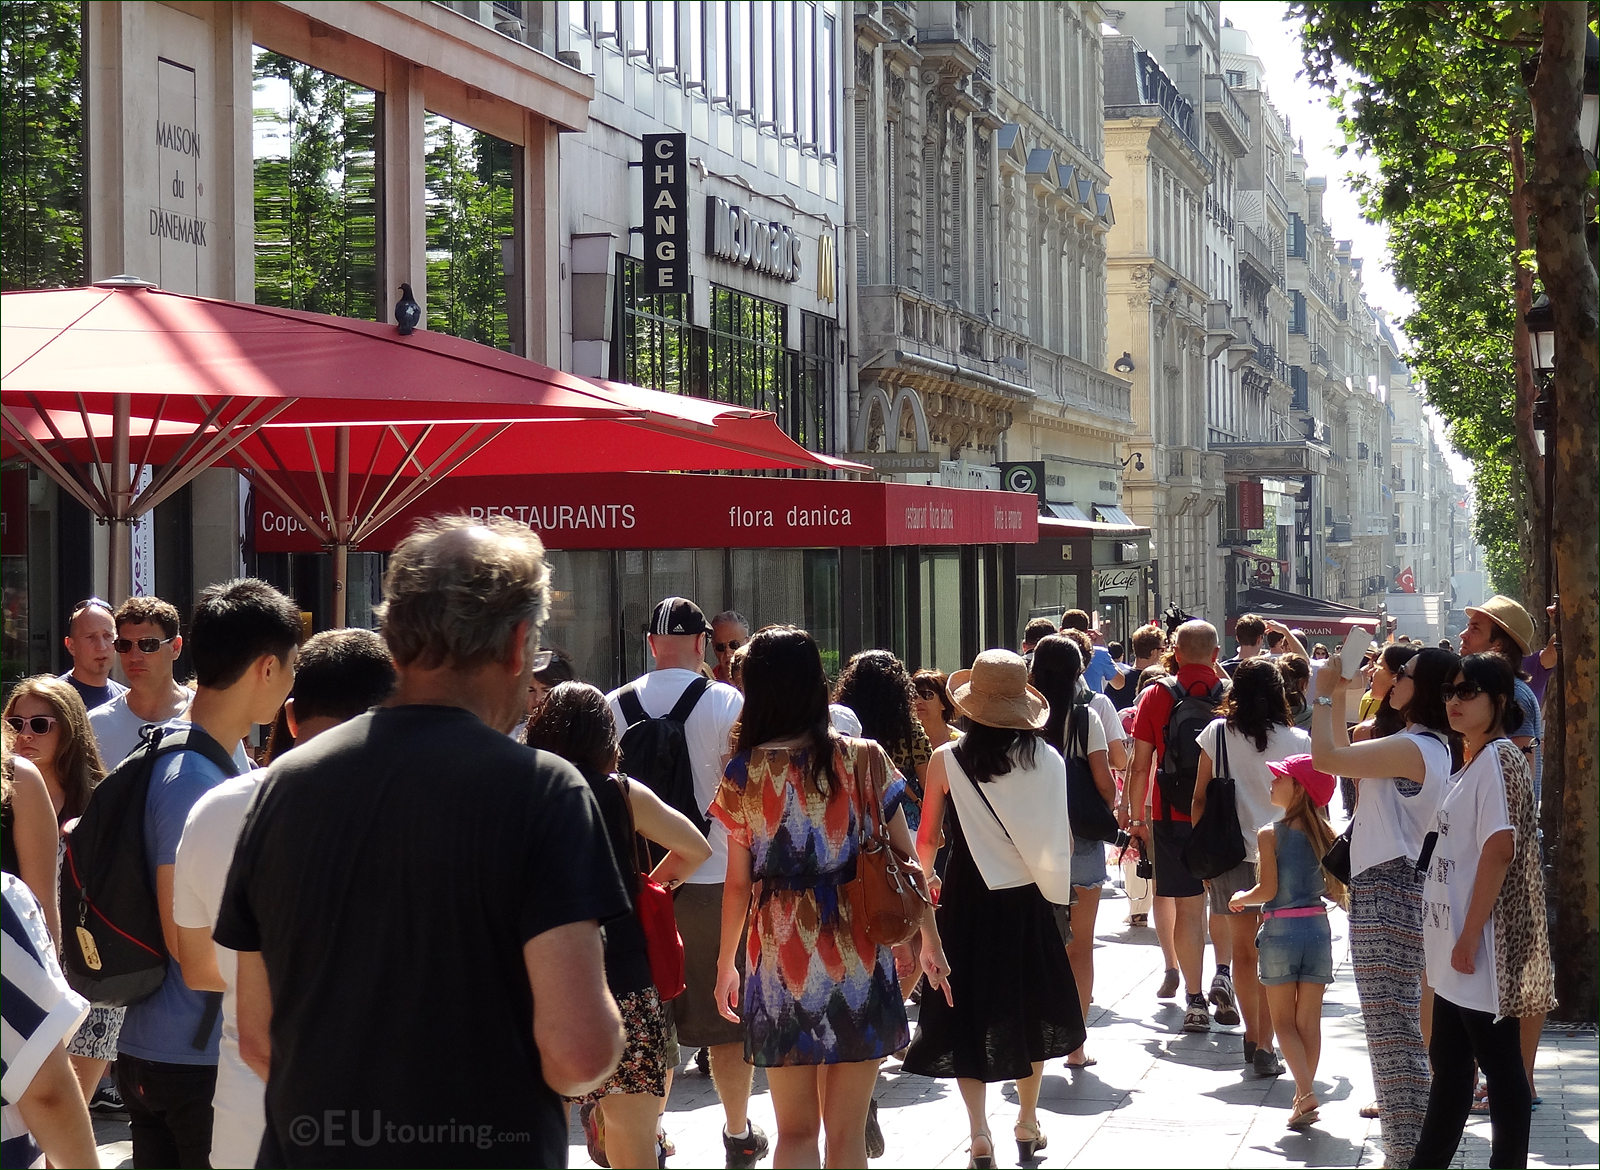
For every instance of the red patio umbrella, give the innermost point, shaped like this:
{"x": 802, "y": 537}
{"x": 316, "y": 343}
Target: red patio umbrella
{"x": 95, "y": 381}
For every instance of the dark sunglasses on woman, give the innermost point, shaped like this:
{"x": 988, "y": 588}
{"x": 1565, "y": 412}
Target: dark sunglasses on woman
{"x": 1466, "y": 692}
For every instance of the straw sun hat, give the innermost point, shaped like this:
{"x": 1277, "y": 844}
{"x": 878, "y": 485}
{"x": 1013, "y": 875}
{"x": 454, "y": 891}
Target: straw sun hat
{"x": 1510, "y": 617}
{"x": 995, "y": 692}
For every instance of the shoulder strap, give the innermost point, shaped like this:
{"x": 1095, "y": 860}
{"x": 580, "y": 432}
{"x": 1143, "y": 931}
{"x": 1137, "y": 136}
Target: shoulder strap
{"x": 1078, "y": 730}
{"x": 196, "y": 739}
{"x": 632, "y": 710}
{"x": 977, "y": 787}
{"x": 1221, "y": 768}
{"x": 686, "y": 701}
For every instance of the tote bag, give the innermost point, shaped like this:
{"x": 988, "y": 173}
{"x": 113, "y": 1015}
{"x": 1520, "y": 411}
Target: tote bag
{"x": 1215, "y": 844}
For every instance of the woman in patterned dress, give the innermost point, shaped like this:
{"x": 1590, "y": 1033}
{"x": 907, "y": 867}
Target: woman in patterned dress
{"x": 820, "y": 1004}
{"x": 1484, "y": 928}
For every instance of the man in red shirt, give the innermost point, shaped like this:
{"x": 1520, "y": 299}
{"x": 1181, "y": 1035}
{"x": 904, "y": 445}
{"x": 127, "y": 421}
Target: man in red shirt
{"x": 1179, "y": 896}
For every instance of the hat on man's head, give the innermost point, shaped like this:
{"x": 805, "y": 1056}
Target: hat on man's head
{"x": 678, "y": 615}
{"x": 1317, "y": 783}
{"x": 995, "y": 692}
{"x": 1510, "y": 617}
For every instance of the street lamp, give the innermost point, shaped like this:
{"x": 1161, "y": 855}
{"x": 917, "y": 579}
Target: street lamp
{"x": 1124, "y": 364}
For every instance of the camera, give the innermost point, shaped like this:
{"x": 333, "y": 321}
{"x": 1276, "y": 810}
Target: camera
{"x": 1124, "y": 839}
{"x": 1144, "y": 869}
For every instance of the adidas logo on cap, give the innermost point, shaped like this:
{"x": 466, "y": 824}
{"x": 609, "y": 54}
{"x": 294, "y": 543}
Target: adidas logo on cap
{"x": 678, "y": 615}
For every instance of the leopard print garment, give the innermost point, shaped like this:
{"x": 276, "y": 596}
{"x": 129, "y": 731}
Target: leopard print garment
{"x": 1524, "y": 972}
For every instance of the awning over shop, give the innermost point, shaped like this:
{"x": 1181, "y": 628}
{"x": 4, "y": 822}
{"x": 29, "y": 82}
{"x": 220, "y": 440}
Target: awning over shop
{"x": 605, "y": 511}
{"x": 1312, "y": 614}
{"x": 1049, "y": 526}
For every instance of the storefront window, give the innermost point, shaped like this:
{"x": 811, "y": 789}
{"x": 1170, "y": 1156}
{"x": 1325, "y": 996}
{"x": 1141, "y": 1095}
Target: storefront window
{"x": 580, "y": 613}
{"x": 790, "y": 586}
{"x": 41, "y": 146}
{"x": 474, "y": 290}
{"x": 747, "y": 364}
{"x": 316, "y": 190}
{"x": 655, "y": 341}
{"x": 941, "y": 609}
{"x": 1045, "y": 595}
{"x": 813, "y": 410}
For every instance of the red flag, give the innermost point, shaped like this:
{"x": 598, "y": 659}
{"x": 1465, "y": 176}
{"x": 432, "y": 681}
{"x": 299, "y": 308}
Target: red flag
{"x": 1407, "y": 580}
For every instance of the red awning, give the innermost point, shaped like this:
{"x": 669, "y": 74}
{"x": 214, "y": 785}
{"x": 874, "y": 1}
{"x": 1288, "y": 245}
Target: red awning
{"x": 700, "y": 511}
{"x": 98, "y": 380}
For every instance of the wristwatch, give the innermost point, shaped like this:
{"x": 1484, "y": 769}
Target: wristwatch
{"x": 1324, "y": 701}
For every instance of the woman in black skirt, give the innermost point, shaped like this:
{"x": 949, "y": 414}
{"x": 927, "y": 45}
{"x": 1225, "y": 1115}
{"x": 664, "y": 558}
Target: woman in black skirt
{"x": 1011, "y": 1002}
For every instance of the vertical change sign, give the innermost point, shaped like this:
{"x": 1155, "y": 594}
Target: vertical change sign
{"x": 666, "y": 226}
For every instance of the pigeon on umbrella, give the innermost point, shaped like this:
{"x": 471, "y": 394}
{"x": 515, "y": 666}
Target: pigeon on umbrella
{"x": 407, "y": 313}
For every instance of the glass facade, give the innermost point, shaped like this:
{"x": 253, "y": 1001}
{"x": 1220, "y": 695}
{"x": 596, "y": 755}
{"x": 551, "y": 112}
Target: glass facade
{"x": 315, "y": 160}
{"x": 473, "y": 288}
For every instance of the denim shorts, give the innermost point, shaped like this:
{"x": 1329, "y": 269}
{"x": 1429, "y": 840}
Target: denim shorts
{"x": 1088, "y": 863}
{"x": 1295, "y": 950}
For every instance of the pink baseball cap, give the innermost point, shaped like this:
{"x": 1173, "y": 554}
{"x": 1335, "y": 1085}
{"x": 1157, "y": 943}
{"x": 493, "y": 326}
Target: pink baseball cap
{"x": 1317, "y": 783}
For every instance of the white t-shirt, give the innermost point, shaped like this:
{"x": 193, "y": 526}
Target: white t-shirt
{"x": 1095, "y": 730}
{"x": 707, "y": 732}
{"x": 198, "y": 875}
{"x": 1252, "y": 779}
{"x": 1110, "y": 719}
{"x": 1473, "y": 810}
{"x": 1389, "y": 824}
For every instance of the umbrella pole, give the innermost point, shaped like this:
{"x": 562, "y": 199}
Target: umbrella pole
{"x": 341, "y": 523}
{"x": 119, "y": 545}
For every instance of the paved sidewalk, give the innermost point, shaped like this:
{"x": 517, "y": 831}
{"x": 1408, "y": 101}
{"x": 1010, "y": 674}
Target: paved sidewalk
{"x": 1158, "y": 1097}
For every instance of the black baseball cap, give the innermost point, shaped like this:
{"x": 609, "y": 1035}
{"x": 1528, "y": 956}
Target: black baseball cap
{"x": 679, "y": 615}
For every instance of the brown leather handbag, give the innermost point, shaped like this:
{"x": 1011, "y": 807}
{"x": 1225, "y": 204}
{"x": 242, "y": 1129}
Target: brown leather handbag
{"x": 889, "y": 893}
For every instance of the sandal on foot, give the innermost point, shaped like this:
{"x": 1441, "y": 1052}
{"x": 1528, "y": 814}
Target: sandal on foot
{"x": 1371, "y": 1112}
{"x": 1084, "y": 1063}
{"x": 977, "y": 1161}
{"x": 1305, "y": 1111}
{"x": 1030, "y": 1140}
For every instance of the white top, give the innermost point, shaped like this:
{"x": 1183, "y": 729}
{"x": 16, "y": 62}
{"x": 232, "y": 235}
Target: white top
{"x": 707, "y": 733}
{"x": 1389, "y": 824}
{"x": 1096, "y": 729}
{"x": 844, "y": 720}
{"x": 1109, "y": 718}
{"x": 1472, "y": 810}
{"x": 204, "y": 854}
{"x": 1252, "y": 779}
{"x": 1032, "y": 802}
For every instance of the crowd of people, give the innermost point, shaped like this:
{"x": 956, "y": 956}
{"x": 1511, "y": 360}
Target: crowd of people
{"x": 406, "y": 938}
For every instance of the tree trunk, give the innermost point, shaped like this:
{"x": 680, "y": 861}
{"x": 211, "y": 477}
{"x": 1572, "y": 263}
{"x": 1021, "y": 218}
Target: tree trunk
{"x": 1557, "y": 192}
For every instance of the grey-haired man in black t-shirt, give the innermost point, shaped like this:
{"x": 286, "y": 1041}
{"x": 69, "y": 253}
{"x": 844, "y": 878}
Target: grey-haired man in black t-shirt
{"x": 422, "y": 895}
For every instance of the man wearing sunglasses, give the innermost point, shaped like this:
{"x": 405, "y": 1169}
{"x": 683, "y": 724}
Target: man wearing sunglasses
{"x": 729, "y": 631}
{"x": 90, "y": 632}
{"x": 147, "y": 643}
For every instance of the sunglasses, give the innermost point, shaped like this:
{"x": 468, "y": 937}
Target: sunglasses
{"x": 32, "y": 724}
{"x": 146, "y": 645}
{"x": 730, "y": 644}
{"x": 1466, "y": 692}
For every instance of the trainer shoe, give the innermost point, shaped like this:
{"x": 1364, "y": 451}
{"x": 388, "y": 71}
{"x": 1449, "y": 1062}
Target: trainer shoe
{"x": 1267, "y": 1063}
{"x": 1196, "y": 1018}
{"x": 106, "y": 1099}
{"x": 747, "y": 1149}
{"x": 875, "y": 1143}
{"x": 1169, "y": 984}
{"x": 1222, "y": 999}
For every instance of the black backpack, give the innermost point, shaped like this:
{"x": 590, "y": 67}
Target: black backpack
{"x": 1180, "y": 762}
{"x": 655, "y": 752}
{"x": 112, "y": 949}
{"x": 1091, "y": 818}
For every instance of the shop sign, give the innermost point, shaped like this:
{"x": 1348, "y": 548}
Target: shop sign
{"x": 827, "y": 267}
{"x": 734, "y": 235}
{"x": 899, "y": 462}
{"x": 641, "y": 510}
{"x": 1023, "y": 477}
{"x": 666, "y": 220}
{"x": 1118, "y": 580}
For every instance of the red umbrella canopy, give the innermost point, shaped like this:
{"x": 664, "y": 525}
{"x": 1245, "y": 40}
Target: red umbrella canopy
{"x": 202, "y": 382}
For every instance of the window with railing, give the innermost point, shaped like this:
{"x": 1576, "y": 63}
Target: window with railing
{"x": 1297, "y": 236}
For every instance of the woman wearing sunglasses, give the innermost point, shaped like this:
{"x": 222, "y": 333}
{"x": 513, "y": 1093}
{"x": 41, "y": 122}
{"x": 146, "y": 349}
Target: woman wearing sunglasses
{"x": 1400, "y": 780}
{"x": 1484, "y": 926}
{"x": 51, "y": 731}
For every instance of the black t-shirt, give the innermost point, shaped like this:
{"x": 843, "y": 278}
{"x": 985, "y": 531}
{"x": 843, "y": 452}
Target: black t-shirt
{"x": 390, "y": 872}
{"x": 627, "y": 956}
{"x": 1122, "y": 698}
{"x": 93, "y": 696}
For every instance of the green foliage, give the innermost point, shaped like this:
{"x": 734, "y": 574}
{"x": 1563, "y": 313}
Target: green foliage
{"x": 41, "y": 144}
{"x": 316, "y": 190}
{"x": 1433, "y": 93}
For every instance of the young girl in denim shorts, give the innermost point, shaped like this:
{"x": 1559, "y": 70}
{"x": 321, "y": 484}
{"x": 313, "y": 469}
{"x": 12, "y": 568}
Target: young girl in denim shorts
{"x": 1294, "y": 943}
